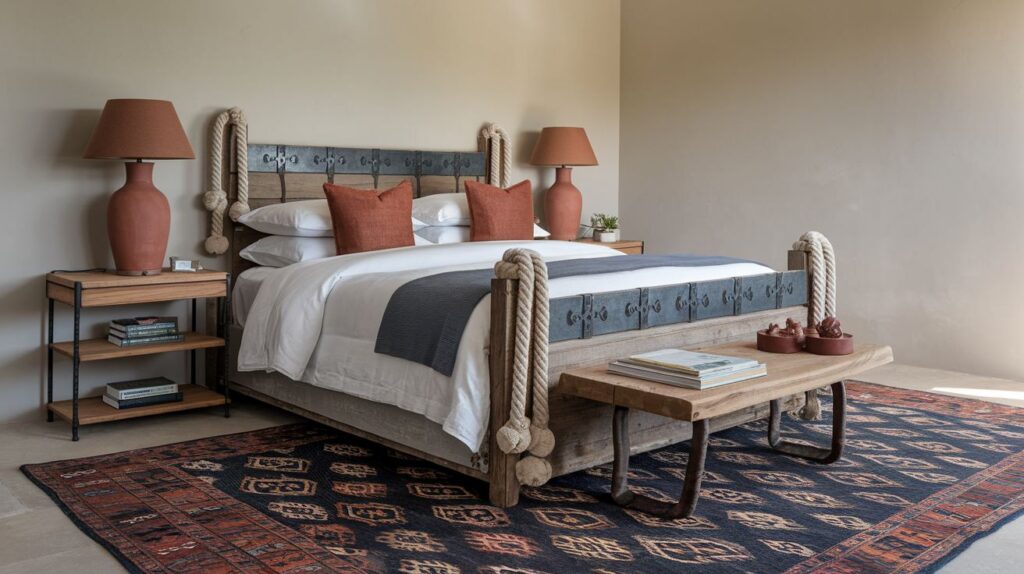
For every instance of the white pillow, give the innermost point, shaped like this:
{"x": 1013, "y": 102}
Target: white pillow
{"x": 283, "y": 250}
{"x": 309, "y": 218}
{"x": 442, "y": 209}
{"x": 440, "y": 235}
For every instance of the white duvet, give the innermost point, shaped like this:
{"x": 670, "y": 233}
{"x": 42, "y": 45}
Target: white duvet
{"x": 317, "y": 322}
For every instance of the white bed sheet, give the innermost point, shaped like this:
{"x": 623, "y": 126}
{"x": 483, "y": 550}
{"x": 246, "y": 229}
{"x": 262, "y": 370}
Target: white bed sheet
{"x": 317, "y": 322}
{"x": 247, "y": 285}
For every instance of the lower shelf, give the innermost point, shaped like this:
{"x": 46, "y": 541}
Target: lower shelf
{"x": 93, "y": 410}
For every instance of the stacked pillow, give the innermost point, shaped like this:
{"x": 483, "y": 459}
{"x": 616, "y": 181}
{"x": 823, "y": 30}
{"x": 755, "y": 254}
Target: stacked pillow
{"x": 446, "y": 217}
{"x": 304, "y": 230}
{"x": 299, "y": 231}
{"x": 309, "y": 218}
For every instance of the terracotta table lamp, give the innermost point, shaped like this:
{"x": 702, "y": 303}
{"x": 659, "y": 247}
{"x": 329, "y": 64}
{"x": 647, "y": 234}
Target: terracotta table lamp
{"x": 563, "y": 203}
{"x": 138, "y": 215}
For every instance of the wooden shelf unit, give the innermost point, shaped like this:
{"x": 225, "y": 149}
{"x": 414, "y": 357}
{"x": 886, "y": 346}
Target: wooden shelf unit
{"x": 80, "y": 289}
{"x": 93, "y": 410}
{"x": 102, "y": 349}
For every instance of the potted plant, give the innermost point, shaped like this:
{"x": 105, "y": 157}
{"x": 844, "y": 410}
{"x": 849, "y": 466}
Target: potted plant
{"x": 606, "y": 227}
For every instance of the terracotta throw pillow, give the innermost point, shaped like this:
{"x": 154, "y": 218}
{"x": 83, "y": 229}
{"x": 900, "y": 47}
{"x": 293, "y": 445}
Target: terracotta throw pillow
{"x": 370, "y": 219}
{"x": 500, "y": 214}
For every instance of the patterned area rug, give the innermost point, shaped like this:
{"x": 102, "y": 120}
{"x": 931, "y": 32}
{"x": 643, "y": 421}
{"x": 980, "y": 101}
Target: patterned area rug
{"x": 922, "y": 475}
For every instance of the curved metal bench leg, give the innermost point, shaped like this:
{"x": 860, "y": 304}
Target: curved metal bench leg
{"x": 817, "y": 454}
{"x": 691, "y": 484}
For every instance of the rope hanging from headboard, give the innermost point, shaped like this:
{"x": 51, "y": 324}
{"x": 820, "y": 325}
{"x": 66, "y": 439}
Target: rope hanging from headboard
{"x": 498, "y": 146}
{"x": 215, "y": 199}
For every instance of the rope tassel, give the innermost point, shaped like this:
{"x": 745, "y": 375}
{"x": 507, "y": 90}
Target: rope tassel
{"x": 215, "y": 199}
{"x": 529, "y": 367}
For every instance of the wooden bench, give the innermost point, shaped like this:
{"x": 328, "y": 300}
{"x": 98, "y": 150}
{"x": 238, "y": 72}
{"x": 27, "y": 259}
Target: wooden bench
{"x": 787, "y": 375}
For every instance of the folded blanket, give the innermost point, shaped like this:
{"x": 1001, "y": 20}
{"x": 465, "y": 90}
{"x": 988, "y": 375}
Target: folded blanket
{"x": 425, "y": 318}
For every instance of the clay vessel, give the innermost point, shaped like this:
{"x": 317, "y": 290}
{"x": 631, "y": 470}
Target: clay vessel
{"x": 563, "y": 204}
{"x": 138, "y": 223}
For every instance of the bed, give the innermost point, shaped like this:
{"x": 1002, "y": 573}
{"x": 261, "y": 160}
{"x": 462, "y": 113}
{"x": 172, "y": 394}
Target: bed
{"x": 451, "y": 421}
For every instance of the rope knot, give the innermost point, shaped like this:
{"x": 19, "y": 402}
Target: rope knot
{"x": 216, "y": 244}
{"x": 533, "y": 471}
{"x": 215, "y": 200}
{"x": 238, "y": 209}
{"x": 514, "y": 437}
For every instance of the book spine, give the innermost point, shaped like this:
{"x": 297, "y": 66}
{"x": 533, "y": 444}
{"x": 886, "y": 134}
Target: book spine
{"x": 146, "y": 401}
{"x": 173, "y": 321}
{"x": 138, "y": 393}
{"x": 143, "y": 332}
{"x": 145, "y": 340}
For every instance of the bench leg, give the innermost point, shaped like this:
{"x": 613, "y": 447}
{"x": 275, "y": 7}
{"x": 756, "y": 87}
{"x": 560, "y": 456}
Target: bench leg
{"x": 817, "y": 454}
{"x": 691, "y": 484}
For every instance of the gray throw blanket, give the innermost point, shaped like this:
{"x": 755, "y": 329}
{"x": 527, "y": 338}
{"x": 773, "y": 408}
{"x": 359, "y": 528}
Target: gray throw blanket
{"x": 426, "y": 317}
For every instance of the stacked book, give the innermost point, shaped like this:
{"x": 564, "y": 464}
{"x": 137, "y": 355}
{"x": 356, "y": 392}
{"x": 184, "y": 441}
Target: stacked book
{"x": 144, "y": 331}
{"x": 688, "y": 369}
{"x": 140, "y": 393}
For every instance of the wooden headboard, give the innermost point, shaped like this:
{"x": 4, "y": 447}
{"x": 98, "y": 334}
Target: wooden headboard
{"x": 281, "y": 173}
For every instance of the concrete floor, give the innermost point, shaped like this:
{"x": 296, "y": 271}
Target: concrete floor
{"x": 37, "y": 537}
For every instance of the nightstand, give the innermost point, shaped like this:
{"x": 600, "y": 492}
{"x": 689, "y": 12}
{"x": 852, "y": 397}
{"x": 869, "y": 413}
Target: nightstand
{"x": 101, "y": 289}
{"x": 627, "y": 246}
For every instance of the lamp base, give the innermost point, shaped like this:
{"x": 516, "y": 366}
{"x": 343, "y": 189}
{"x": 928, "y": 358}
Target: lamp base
{"x": 563, "y": 205}
{"x": 138, "y": 223}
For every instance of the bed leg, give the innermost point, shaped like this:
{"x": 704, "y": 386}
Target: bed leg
{"x": 504, "y": 487}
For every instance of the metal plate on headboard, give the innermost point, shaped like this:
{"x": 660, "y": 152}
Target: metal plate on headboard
{"x": 332, "y": 162}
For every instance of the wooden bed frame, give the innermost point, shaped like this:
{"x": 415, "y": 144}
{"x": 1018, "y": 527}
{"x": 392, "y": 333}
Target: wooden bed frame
{"x": 586, "y": 329}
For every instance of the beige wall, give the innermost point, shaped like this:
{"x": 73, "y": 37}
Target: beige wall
{"x": 400, "y": 74}
{"x": 894, "y": 127}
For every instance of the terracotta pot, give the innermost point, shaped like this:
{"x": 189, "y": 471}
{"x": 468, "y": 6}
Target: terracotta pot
{"x": 775, "y": 344}
{"x": 828, "y": 346}
{"x": 563, "y": 204}
{"x": 138, "y": 223}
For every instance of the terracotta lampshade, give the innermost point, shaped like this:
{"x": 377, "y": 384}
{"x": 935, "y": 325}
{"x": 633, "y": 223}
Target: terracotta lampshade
{"x": 139, "y": 129}
{"x": 563, "y": 146}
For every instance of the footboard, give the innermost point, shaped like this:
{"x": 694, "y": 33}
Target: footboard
{"x": 595, "y": 328}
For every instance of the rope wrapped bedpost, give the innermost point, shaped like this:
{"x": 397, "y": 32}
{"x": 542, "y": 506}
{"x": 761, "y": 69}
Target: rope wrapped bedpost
{"x": 529, "y": 368}
{"x": 215, "y": 199}
{"x": 498, "y": 147}
{"x": 821, "y": 262}
{"x": 821, "y": 300}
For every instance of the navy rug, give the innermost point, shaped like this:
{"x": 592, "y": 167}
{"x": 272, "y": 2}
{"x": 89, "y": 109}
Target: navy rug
{"x": 921, "y": 477}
